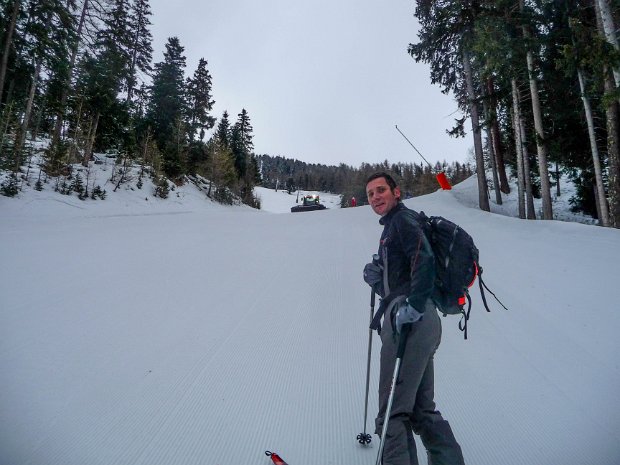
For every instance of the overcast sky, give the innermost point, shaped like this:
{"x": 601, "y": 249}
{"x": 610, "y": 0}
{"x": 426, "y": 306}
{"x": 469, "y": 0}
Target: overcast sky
{"x": 323, "y": 81}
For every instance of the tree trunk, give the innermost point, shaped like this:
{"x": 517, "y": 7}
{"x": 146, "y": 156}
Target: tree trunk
{"x": 80, "y": 140}
{"x": 613, "y": 131}
{"x": 609, "y": 28}
{"x": 483, "y": 199}
{"x": 496, "y": 139}
{"x": 527, "y": 171}
{"x": 65, "y": 89}
{"x": 541, "y": 144}
{"x": 492, "y": 158}
{"x": 4, "y": 130}
{"x": 20, "y": 138}
{"x": 598, "y": 172}
{"x": 7, "y": 45}
{"x": 91, "y": 140}
{"x": 132, "y": 66}
{"x": 516, "y": 123}
{"x": 613, "y": 153}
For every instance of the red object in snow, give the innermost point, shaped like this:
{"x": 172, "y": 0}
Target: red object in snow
{"x": 443, "y": 181}
{"x": 277, "y": 460}
{"x": 441, "y": 176}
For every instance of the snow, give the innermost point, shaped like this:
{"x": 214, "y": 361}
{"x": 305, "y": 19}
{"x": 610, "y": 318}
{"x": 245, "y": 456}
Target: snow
{"x": 180, "y": 331}
{"x": 467, "y": 194}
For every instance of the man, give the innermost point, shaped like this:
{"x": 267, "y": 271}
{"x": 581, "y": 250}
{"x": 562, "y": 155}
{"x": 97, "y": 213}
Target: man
{"x": 404, "y": 276}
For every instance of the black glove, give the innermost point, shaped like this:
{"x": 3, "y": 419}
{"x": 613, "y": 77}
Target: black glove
{"x": 373, "y": 274}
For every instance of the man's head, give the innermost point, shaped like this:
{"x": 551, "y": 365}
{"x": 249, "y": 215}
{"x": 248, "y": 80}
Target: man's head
{"x": 383, "y": 193}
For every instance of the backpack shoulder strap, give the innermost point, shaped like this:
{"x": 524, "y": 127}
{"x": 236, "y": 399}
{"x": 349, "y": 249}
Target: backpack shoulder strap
{"x": 465, "y": 316}
{"x": 483, "y": 286}
{"x": 385, "y": 304}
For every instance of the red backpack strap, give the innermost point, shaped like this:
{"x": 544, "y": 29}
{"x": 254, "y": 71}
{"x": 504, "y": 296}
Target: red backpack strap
{"x": 465, "y": 314}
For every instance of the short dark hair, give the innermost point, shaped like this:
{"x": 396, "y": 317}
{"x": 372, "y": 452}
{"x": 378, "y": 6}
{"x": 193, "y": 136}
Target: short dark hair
{"x": 382, "y": 174}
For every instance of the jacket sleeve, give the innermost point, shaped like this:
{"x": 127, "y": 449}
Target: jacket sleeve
{"x": 421, "y": 261}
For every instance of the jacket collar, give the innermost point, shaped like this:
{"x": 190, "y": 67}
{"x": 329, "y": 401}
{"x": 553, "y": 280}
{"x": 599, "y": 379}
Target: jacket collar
{"x": 387, "y": 218}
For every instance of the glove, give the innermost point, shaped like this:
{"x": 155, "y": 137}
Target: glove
{"x": 373, "y": 274}
{"x": 405, "y": 314}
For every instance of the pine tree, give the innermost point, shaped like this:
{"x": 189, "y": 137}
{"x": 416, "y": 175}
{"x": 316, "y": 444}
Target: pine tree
{"x": 77, "y": 185}
{"x": 61, "y": 81}
{"x": 199, "y": 101}
{"x": 609, "y": 28}
{"x": 102, "y": 76}
{"x": 167, "y": 106}
{"x": 10, "y": 187}
{"x": 40, "y": 44}
{"x": 221, "y": 172}
{"x": 245, "y": 162}
{"x": 7, "y": 36}
{"x": 161, "y": 188}
{"x": 446, "y": 38}
{"x": 222, "y": 133}
{"x": 241, "y": 143}
{"x": 140, "y": 48}
{"x": 577, "y": 31}
{"x": 606, "y": 61}
{"x": 537, "y": 111}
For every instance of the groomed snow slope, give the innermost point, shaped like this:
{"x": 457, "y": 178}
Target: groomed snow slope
{"x": 207, "y": 335}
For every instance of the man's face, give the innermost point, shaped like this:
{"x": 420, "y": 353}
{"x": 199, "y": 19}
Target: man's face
{"x": 380, "y": 196}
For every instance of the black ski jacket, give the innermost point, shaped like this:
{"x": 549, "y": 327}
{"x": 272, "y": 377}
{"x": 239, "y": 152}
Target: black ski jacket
{"x": 407, "y": 258}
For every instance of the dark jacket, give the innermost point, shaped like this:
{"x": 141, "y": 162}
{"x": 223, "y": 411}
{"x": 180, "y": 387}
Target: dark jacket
{"x": 407, "y": 258}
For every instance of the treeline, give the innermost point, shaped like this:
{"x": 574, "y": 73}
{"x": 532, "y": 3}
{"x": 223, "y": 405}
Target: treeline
{"x": 81, "y": 73}
{"x": 539, "y": 79}
{"x": 288, "y": 174}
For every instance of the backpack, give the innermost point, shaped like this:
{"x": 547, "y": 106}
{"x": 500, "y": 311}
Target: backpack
{"x": 456, "y": 267}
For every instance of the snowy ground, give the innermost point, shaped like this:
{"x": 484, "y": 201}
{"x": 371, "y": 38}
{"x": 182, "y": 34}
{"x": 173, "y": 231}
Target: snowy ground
{"x": 467, "y": 194}
{"x": 178, "y": 331}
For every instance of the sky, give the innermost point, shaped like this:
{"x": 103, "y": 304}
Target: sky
{"x": 323, "y": 81}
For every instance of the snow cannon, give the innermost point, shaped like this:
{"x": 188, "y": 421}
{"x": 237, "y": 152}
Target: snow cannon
{"x": 443, "y": 181}
{"x": 277, "y": 460}
{"x": 441, "y": 177}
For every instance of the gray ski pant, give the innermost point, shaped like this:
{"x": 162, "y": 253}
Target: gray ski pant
{"x": 413, "y": 408}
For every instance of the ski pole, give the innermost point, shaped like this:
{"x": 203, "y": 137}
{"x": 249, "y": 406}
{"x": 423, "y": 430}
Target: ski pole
{"x": 365, "y": 438}
{"x": 402, "y": 342}
{"x": 275, "y": 458}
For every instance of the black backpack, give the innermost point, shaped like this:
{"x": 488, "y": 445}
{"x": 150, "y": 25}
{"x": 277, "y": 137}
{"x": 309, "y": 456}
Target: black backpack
{"x": 456, "y": 267}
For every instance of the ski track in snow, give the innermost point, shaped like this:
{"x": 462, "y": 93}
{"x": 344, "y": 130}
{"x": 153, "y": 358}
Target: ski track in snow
{"x": 210, "y": 337}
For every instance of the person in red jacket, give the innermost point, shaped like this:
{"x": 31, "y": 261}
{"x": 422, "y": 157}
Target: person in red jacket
{"x": 353, "y": 202}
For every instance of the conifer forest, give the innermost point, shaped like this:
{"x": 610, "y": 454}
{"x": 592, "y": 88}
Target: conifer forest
{"x": 535, "y": 80}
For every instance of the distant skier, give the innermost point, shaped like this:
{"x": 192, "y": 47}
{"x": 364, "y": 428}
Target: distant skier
{"x": 404, "y": 276}
{"x": 353, "y": 202}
